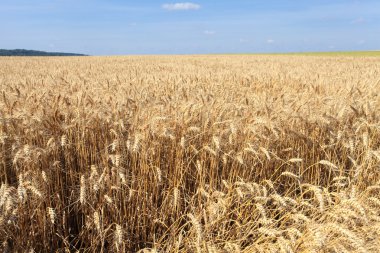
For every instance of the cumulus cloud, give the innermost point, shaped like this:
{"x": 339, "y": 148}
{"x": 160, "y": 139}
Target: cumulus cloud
{"x": 181, "y": 6}
{"x": 270, "y": 41}
{"x": 208, "y": 32}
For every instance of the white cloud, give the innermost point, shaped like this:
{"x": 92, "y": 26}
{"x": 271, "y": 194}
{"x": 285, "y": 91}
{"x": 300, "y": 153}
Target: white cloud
{"x": 181, "y": 6}
{"x": 207, "y": 32}
{"x": 270, "y": 41}
{"x": 358, "y": 21}
{"x": 361, "y": 42}
{"x": 243, "y": 40}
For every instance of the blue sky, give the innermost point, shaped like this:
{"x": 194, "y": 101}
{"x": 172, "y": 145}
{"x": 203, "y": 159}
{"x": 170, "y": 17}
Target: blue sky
{"x": 114, "y": 27}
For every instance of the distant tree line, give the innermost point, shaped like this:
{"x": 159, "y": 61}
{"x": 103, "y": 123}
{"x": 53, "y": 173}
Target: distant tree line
{"x": 24, "y": 52}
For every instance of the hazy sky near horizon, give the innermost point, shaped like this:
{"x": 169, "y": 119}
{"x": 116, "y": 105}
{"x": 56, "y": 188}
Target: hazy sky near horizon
{"x": 114, "y": 27}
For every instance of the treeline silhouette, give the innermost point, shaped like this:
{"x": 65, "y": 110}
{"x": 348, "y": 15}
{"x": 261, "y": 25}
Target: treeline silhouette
{"x": 24, "y": 52}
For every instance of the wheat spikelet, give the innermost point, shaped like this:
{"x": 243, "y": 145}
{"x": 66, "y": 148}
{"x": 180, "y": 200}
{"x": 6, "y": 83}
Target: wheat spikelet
{"x": 176, "y": 197}
{"x": 266, "y": 152}
{"x": 216, "y": 142}
{"x": 63, "y": 140}
{"x": 232, "y": 247}
{"x": 82, "y": 194}
{"x": 340, "y": 178}
{"x": 250, "y": 150}
{"x": 97, "y": 221}
{"x": 290, "y": 174}
{"x": 318, "y": 194}
{"x": 21, "y": 189}
{"x": 117, "y": 160}
{"x": 123, "y": 178}
{"x": 351, "y": 146}
{"x": 26, "y": 149}
{"x": 239, "y": 192}
{"x": 372, "y": 188}
{"x": 183, "y": 142}
{"x": 178, "y": 243}
{"x": 199, "y": 167}
{"x": 374, "y": 201}
{"x": 130, "y": 194}
{"x": 225, "y": 159}
{"x": 239, "y": 158}
{"x": 278, "y": 199}
{"x": 264, "y": 191}
{"x": 4, "y": 193}
{"x": 112, "y": 159}
{"x": 197, "y": 227}
{"x": 194, "y": 149}
{"x": 354, "y": 204}
{"x": 118, "y": 235}
{"x": 295, "y": 232}
{"x": 9, "y": 205}
{"x": 218, "y": 195}
{"x": 100, "y": 182}
{"x": 194, "y": 129}
{"x": 231, "y": 139}
{"x": 319, "y": 239}
{"x": 328, "y": 164}
{"x": 261, "y": 209}
{"x": 295, "y": 160}
{"x": 226, "y": 184}
{"x": 94, "y": 172}
{"x": 210, "y": 150}
{"x": 365, "y": 139}
{"x": 291, "y": 201}
{"x": 354, "y": 240}
{"x": 300, "y": 216}
{"x": 246, "y": 186}
{"x": 211, "y": 248}
{"x": 50, "y": 143}
{"x": 147, "y": 250}
{"x": 136, "y": 143}
{"x": 7, "y": 198}
{"x": 159, "y": 174}
{"x": 353, "y": 192}
{"x": 340, "y": 248}
{"x": 44, "y": 176}
{"x": 108, "y": 199}
{"x": 34, "y": 190}
{"x": 284, "y": 245}
{"x": 344, "y": 214}
{"x": 233, "y": 128}
{"x": 376, "y": 154}
{"x": 128, "y": 144}
{"x": 51, "y": 214}
{"x": 17, "y": 157}
{"x": 114, "y": 145}
{"x": 270, "y": 184}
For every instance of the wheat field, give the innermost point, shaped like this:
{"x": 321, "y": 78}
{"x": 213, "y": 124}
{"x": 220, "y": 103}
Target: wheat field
{"x": 190, "y": 154}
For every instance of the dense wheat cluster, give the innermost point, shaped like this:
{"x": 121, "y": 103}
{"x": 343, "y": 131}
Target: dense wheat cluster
{"x": 190, "y": 154}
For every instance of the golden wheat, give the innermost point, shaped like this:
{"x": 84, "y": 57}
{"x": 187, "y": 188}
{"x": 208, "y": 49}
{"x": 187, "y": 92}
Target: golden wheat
{"x": 190, "y": 154}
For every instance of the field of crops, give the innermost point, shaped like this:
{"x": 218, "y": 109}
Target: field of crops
{"x": 190, "y": 154}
